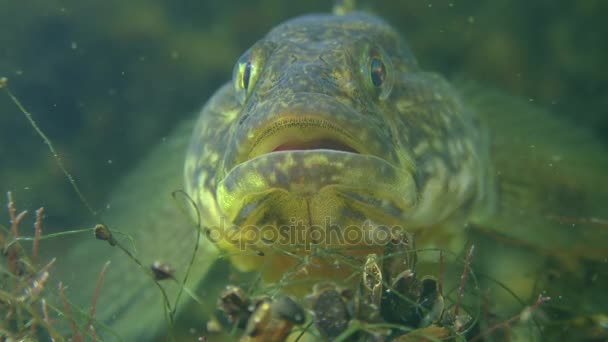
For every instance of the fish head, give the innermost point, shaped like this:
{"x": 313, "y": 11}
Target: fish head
{"x": 332, "y": 128}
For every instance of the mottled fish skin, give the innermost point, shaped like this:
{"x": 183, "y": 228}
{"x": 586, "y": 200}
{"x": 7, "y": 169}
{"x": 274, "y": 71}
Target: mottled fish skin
{"x": 421, "y": 160}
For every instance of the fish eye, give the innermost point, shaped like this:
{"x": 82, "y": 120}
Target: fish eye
{"x": 248, "y": 68}
{"x": 377, "y": 70}
{"x": 246, "y": 75}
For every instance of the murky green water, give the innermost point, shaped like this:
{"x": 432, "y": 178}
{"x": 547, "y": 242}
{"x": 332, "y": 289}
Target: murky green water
{"x": 108, "y": 80}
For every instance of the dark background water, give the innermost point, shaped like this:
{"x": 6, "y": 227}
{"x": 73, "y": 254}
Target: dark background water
{"x": 106, "y": 80}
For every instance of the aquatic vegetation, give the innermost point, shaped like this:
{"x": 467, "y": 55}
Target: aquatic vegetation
{"x": 387, "y": 303}
{"x": 31, "y": 311}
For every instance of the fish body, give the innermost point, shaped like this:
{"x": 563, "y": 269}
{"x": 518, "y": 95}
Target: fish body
{"x": 330, "y": 123}
{"x": 331, "y": 139}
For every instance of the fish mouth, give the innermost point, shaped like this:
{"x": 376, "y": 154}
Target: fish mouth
{"x": 314, "y": 159}
{"x": 305, "y": 133}
{"x": 321, "y": 144}
{"x": 310, "y": 166}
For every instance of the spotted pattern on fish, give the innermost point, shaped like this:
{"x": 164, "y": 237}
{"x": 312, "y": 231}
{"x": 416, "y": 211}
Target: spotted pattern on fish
{"x": 303, "y": 133}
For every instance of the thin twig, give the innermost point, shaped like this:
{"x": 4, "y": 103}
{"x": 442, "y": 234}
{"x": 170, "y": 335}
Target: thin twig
{"x": 15, "y": 219}
{"x": 463, "y": 279}
{"x": 11, "y": 208}
{"x": 195, "y": 250}
{"x": 93, "y": 334}
{"x": 3, "y": 239}
{"x": 48, "y": 143}
{"x": 33, "y": 328}
{"x": 505, "y": 324}
{"x": 68, "y": 313}
{"x": 95, "y": 297}
{"x": 441, "y": 271}
{"x": 13, "y": 250}
{"x": 37, "y": 233}
{"x": 167, "y": 303}
{"x": 47, "y": 319}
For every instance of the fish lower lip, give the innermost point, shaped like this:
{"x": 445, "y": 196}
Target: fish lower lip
{"x": 309, "y": 173}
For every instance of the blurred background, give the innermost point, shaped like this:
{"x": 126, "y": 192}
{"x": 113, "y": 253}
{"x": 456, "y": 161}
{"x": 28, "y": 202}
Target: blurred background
{"x": 106, "y": 80}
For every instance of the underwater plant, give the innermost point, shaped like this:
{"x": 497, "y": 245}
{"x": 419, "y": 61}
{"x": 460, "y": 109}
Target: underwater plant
{"x": 31, "y": 311}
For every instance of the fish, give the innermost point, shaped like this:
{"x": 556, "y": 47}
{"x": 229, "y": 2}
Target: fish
{"x": 331, "y": 123}
{"x": 329, "y": 140}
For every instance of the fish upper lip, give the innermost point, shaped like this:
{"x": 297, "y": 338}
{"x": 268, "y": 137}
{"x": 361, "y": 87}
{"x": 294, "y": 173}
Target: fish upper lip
{"x": 304, "y": 132}
{"x": 306, "y": 122}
